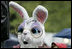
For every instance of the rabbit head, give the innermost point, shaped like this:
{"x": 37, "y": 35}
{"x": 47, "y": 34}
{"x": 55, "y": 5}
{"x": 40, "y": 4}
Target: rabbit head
{"x": 31, "y": 30}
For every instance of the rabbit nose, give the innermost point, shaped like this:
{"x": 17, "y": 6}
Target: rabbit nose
{"x": 25, "y": 33}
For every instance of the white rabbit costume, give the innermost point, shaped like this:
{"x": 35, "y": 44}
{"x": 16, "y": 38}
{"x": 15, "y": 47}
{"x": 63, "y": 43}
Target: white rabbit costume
{"x": 31, "y": 32}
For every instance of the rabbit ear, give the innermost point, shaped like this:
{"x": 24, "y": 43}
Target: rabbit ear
{"x": 23, "y": 13}
{"x": 40, "y": 13}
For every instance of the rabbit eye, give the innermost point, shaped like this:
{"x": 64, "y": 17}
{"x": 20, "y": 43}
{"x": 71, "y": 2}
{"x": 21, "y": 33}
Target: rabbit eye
{"x": 20, "y": 30}
{"x": 35, "y": 30}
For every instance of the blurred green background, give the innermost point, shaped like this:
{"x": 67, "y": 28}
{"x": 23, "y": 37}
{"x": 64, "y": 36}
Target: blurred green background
{"x": 59, "y": 14}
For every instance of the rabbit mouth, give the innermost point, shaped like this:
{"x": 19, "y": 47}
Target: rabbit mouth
{"x": 25, "y": 42}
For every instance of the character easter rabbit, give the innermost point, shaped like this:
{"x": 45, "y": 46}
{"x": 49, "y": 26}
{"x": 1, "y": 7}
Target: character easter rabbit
{"x": 31, "y": 31}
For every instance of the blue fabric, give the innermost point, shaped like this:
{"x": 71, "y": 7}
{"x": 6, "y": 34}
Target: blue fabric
{"x": 12, "y": 41}
{"x": 65, "y": 33}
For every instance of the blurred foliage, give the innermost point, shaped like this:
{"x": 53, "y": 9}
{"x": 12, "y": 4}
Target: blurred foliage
{"x": 59, "y": 14}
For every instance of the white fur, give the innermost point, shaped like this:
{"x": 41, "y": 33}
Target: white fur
{"x": 33, "y": 42}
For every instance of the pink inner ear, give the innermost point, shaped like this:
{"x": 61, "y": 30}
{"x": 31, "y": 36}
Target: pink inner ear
{"x": 41, "y": 16}
{"x": 20, "y": 12}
